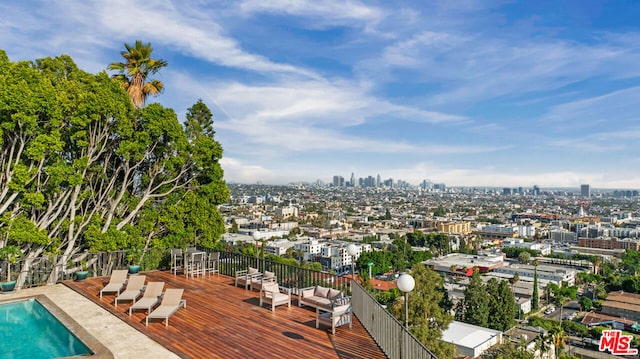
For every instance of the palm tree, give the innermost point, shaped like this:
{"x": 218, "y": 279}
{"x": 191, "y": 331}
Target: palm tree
{"x": 543, "y": 344}
{"x": 132, "y": 74}
{"x": 559, "y": 336}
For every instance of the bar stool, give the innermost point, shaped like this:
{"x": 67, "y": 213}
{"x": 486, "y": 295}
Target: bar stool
{"x": 177, "y": 260}
{"x": 213, "y": 263}
{"x": 197, "y": 264}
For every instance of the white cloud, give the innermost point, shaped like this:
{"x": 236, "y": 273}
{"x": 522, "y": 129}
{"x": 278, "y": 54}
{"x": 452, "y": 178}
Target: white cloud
{"x": 475, "y": 67}
{"x": 315, "y": 116}
{"x": 324, "y": 13}
{"x": 201, "y": 36}
{"x": 617, "y": 106}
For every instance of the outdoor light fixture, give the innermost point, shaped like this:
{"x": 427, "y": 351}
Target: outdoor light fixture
{"x": 352, "y": 249}
{"x": 406, "y": 283}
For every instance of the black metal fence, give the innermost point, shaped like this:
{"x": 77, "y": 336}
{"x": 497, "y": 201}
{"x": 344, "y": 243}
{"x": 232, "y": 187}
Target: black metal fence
{"x": 33, "y": 272}
{"x": 293, "y": 277}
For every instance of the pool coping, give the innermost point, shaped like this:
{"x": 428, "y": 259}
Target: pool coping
{"x": 99, "y": 351}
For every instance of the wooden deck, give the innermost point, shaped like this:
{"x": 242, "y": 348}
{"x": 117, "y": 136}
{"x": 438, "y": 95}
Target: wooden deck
{"x": 224, "y": 321}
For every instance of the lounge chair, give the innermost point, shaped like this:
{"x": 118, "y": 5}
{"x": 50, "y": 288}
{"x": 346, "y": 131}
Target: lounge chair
{"x": 171, "y": 302}
{"x": 133, "y": 289}
{"x": 116, "y": 282}
{"x": 275, "y": 295}
{"x": 149, "y": 299}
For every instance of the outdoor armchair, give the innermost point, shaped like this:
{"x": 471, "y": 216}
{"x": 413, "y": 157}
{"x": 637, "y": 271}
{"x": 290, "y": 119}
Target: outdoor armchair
{"x": 245, "y": 276}
{"x": 275, "y": 295}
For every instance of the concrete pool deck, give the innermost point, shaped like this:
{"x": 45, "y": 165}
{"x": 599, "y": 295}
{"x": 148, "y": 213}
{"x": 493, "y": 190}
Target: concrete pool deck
{"x": 120, "y": 338}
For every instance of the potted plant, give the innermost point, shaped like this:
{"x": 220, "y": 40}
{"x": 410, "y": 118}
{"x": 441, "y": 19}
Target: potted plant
{"x": 10, "y": 255}
{"x": 82, "y": 273}
{"x": 133, "y": 257}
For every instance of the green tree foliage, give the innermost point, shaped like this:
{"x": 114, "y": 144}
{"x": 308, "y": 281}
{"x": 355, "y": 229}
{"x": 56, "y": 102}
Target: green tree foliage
{"x": 496, "y": 297}
{"x": 508, "y": 350}
{"x": 438, "y": 243}
{"x": 515, "y": 252}
{"x": 524, "y": 257}
{"x": 439, "y": 212}
{"x": 476, "y": 302}
{"x": 427, "y": 319}
{"x": 586, "y": 303}
{"x": 83, "y": 169}
{"x": 630, "y": 262}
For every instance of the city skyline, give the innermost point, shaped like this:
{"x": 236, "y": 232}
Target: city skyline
{"x": 487, "y": 94}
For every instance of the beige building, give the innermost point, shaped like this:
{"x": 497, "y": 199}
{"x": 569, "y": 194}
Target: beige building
{"x": 454, "y": 227}
{"x": 623, "y": 305}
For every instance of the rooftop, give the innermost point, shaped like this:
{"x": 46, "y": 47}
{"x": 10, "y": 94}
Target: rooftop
{"x": 467, "y": 335}
{"x": 224, "y": 321}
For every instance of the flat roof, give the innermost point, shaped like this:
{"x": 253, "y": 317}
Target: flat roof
{"x": 467, "y": 335}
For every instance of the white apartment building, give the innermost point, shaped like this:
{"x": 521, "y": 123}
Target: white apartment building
{"x": 309, "y": 247}
{"x": 526, "y": 231}
{"x": 543, "y": 248}
{"x": 260, "y": 235}
{"x": 555, "y": 274}
{"x": 278, "y": 247}
{"x": 336, "y": 257}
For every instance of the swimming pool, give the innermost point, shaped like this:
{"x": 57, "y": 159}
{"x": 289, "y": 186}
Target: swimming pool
{"x": 29, "y": 330}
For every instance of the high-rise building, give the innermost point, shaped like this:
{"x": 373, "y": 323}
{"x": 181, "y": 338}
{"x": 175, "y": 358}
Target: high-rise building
{"x": 585, "y": 191}
{"x": 353, "y": 180}
{"x": 338, "y": 181}
{"x": 378, "y": 181}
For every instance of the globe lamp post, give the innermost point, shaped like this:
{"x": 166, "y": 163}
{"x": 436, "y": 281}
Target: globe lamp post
{"x": 352, "y": 250}
{"x": 406, "y": 283}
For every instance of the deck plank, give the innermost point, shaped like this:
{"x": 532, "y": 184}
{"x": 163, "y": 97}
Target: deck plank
{"x": 224, "y": 321}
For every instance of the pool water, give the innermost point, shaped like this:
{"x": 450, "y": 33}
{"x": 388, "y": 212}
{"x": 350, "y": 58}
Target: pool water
{"x": 28, "y": 330}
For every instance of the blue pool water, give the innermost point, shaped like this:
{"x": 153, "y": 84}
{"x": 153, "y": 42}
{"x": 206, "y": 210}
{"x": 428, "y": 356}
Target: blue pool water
{"x": 28, "y": 330}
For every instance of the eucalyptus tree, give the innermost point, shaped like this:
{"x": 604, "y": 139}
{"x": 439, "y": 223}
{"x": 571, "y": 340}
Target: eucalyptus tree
{"x": 133, "y": 73}
{"x": 81, "y": 168}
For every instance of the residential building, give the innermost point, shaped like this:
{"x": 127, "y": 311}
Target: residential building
{"x": 543, "y": 248}
{"x": 610, "y": 243}
{"x": 310, "y": 248}
{"x": 471, "y": 340}
{"x": 529, "y": 336}
{"x": 621, "y": 304}
{"x": 463, "y": 227}
{"x": 284, "y": 212}
{"x": 278, "y": 247}
{"x": 555, "y": 274}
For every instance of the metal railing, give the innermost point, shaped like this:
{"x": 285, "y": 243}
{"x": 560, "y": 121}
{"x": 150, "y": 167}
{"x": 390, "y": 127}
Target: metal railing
{"x": 33, "y": 272}
{"x": 289, "y": 276}
{"x": 392, "y": 337}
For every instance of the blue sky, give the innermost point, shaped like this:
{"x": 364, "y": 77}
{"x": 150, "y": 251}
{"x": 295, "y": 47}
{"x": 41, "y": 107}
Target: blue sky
{"x": 469, "y": 93}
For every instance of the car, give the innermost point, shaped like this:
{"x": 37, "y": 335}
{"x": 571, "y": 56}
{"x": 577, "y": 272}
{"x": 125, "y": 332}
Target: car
{"x": 570, "y": 316}
{"x": 550, "y": 310}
